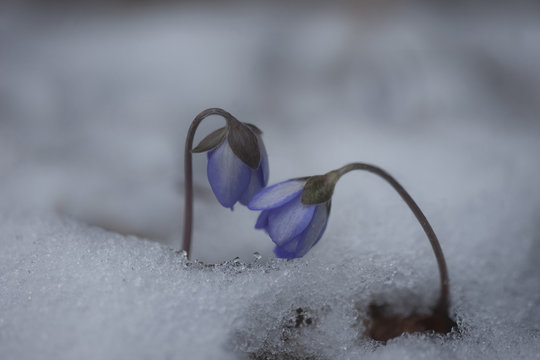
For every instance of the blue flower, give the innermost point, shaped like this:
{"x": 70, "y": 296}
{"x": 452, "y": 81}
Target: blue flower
{"x": 294, "y": 227}
{"x": 237, "y": 163}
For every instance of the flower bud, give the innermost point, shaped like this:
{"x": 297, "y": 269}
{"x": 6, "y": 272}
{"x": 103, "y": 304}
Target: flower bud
{"x": 238, "y": 167}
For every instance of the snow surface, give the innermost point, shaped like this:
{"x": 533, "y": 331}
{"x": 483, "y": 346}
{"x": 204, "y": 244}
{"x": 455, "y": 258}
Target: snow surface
{"x": 94, "y": 109}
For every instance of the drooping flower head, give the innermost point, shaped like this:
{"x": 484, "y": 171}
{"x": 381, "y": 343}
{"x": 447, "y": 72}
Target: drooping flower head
{"x": 295, "y": 213}
{"x": 237, "y": 162}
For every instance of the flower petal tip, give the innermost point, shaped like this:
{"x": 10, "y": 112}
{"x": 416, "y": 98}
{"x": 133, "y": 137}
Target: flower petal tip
{"x": 228, "y": 176}
{"x": 276, "y": 195}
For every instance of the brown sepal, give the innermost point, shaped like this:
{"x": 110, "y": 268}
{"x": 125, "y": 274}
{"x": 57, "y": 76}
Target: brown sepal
{"x": 211, "y": 141}
{"x": 318, "y": 189}
{"x": 244, "y": 144}
{"x": 253, "y": 128}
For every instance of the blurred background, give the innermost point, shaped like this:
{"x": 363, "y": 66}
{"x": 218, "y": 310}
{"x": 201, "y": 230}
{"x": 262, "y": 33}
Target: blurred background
{"x": 96, "y": 98}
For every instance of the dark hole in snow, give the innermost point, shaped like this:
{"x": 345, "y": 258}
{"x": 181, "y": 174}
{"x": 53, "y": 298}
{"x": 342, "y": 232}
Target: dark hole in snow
{"x": 384, "y": 326}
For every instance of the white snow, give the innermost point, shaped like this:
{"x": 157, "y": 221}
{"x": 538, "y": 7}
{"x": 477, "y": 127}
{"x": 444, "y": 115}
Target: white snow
{"x": 94, "y": 110}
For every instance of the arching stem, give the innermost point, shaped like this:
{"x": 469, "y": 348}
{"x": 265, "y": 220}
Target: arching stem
{"x": 188, "y": 172}
{"x": 443, "y": 303}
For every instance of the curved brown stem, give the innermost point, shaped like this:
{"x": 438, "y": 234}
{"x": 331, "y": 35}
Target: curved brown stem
{"x": 188, "y": 172}
{"x": 443, "y": 303}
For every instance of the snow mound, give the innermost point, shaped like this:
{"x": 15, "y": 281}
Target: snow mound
{"x": 73, "y": 291}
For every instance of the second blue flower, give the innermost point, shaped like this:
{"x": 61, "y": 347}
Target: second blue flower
{"x": 294, "y": 227}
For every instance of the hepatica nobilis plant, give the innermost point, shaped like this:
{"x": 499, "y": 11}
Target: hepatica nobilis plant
{"x": 295, "y": 212}
{"x": 237, "y": 164}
